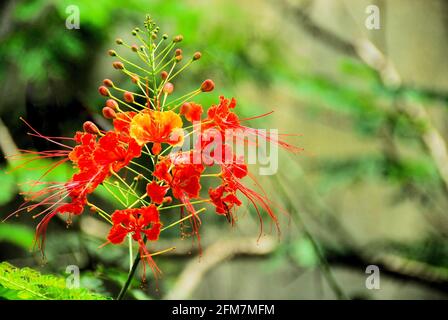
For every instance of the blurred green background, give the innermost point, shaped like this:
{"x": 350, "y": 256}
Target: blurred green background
{"x": 370, "y": 188}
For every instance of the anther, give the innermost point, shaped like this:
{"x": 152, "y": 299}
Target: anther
{"x": 178, "y": 52}
{"x": 164, "y": 75}
{"x": 112, "y": 53}
{"x": 119, "y": 41}
{"x": 134, "y": 48}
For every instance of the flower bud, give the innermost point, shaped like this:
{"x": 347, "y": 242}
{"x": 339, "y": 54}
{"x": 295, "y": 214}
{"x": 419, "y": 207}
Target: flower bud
{"x": 119, "y": 41}
{"x": 109, "y": 113}
{"x": 118, "y": 65}
{"x": 90, "y": 127}
{"x": 178, "y": 58}
{"x": 178, "y": 52}
{"x": 135, "y": 78}
{"x": 104, "y": 91}
{"x": 134, "y": 48}
{"x": 165, "y": 36}
{"x": 184, "y": 108}
{"x": 207, "y": 86}
{"x": 108, "y": 83}
{"x": 163, "y": 75}
{"x": 111, "y": 103}
{"x": 128, "y": 97}
{"x": 112, "y": 53}
{"x": 178, "y": 38}
{"x": 197, "y": 55}
{"x": 168, "y": 88}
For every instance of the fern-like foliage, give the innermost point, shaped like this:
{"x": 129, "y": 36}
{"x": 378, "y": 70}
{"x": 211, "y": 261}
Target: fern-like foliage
{"x": 28, "y": 284}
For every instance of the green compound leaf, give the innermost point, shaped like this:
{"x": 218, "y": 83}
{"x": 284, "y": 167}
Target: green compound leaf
{"x": 28, "y": 284}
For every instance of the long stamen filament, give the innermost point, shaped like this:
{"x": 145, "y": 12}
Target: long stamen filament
{"x": 183, "y": 219}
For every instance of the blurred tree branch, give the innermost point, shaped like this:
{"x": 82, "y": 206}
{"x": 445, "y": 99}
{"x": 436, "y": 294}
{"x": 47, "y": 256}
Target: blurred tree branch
{"x": 7, "y": 145}
{"x": 213, "y": 255}
{"x": 365, "y": 51}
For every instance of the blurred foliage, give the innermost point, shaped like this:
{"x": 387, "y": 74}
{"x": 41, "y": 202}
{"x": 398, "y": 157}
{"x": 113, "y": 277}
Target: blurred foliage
{"x": 17, "y": 234}
{"x": 8, "y": 187}
{"x": 376, "y": 167}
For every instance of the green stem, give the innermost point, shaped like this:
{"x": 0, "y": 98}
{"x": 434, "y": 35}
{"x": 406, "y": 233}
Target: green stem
{"x": 131, "y": 273}
{"x": 326, "y": 270}
{"x": 328, "y": 274}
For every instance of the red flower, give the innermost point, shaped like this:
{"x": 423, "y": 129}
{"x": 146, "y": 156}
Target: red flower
{"x": 212, "y": 149}
{"x": 221, "y": 116}
{"x": 182, "y": 176}
{"x": 191, "y": 111}
{"x": 112, "y": 153}
{"x": 156, "y": 192}
{"x": 122, "y": 124}
{"x": 224, "y": 196}
{"x": 94, "y": 161}
{"x": 138, "y": 223}
{"x": 223, "y": 203}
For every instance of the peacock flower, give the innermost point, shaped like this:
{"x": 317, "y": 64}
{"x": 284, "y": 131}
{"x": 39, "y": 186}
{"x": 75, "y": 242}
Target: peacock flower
{"x": 139, "y": 223}
{"x": 119, "y": 159}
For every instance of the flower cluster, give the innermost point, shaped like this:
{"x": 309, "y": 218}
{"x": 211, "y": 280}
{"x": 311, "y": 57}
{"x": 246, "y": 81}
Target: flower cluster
{"x": 147, "y": 141}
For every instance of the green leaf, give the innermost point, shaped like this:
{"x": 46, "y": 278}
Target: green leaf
{"x": 8, "y": 294}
